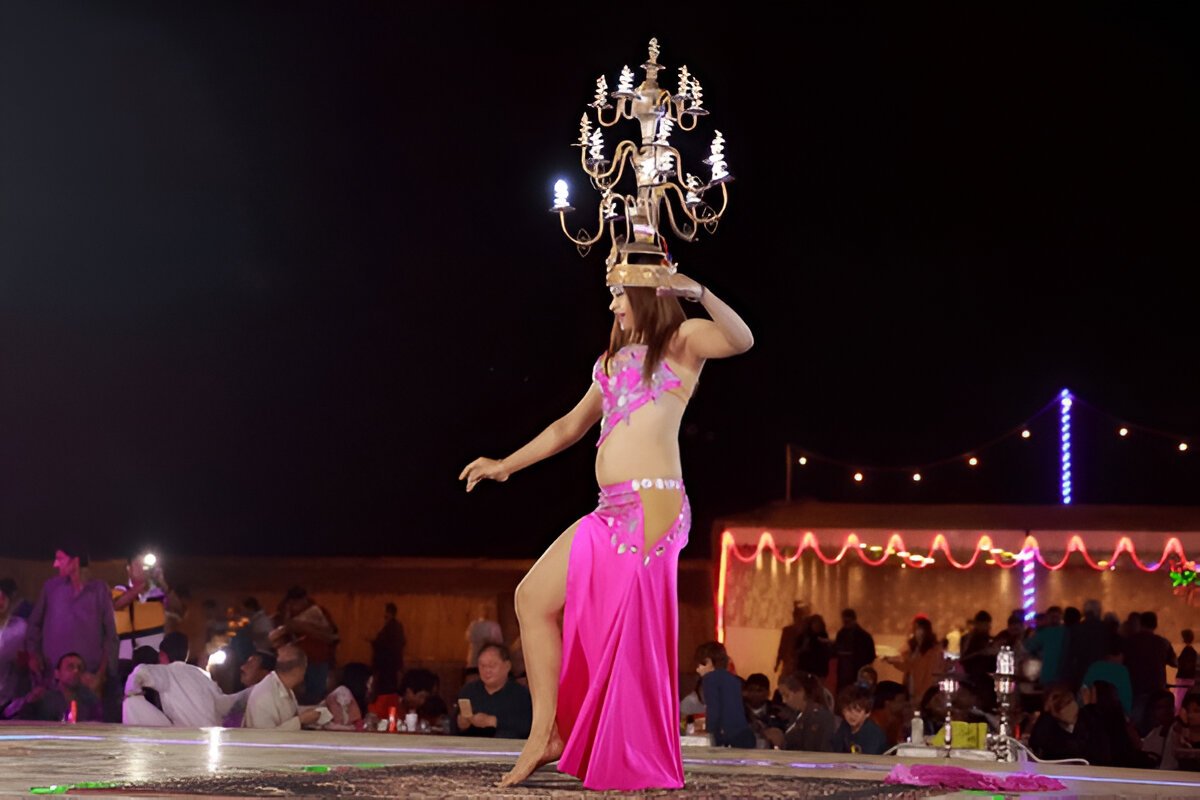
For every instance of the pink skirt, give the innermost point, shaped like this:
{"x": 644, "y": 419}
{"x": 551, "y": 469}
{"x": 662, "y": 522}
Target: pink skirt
{"x": 618, "y": 694}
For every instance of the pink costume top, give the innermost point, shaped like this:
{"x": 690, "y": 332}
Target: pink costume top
{"x": 624, "y": 391}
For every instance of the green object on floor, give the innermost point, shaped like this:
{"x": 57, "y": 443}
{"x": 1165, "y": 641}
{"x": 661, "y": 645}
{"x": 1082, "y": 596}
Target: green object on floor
{"x": 316, "y": 768}
{"x": 66, "y": 787}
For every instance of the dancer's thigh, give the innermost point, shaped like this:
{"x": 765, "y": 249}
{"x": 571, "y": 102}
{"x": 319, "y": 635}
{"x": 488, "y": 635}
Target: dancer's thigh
{"x": 544, "y": 587}
{"x": 660, "y": 512}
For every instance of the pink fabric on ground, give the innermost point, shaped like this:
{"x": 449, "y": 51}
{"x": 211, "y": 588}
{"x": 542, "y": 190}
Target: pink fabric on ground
{"x": 618, "y": 696}
{"x": 959, "y": 778}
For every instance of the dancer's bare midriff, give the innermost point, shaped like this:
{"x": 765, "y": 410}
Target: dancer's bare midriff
{"x": 646, "y": 445}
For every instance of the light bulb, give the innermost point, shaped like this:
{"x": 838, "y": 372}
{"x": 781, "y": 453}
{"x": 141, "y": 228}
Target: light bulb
{"x": 917, "y": 476}
{"x": 597, "y": 149}
{"x": 858, "y": 476}
{"x": 601, "y": 100}
{"x": 625, "y": 82}
{"x": 149, "y": 560}
{"x": 1123, "y": 432}
{"x": 973, "y": 461}
{"x": 803, "y": 460}
{"x": 717, "y": 158}
{"x": 1183, "y": 446}
{"x": 1025, "y": 434}
{"x": 685, "y": 82}
{"x": 560, "y": 194}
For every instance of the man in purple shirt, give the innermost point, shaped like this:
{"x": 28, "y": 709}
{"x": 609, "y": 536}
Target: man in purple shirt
{"x": 75, "y": 616}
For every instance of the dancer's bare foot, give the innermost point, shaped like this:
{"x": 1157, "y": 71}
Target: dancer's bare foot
{"x": 533, "y": 757}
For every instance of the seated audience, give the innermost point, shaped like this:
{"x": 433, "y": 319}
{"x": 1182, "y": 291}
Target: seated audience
{"x": 811, "y": 726}
{"x": 1164, "y": 738}
{"x": 416, "y": 686}
{"x": 14, "y": 676}
{"x": 1112, "y": 739}
{"x": 760, "y": 711}
{"x": 272, "y": 702}
{"x": 1056, "y": 734}
{"x": 891, "y": 711}
{"x": 55, "y": 703}
{"x": 187, "y": 696}
{"x": 257, "y": 666}
{"x": 693, "y": 703}
{"x": 858, "y": 733}
{"x": 500, "y": 707}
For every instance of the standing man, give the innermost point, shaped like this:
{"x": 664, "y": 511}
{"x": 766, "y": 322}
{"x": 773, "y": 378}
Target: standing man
{"x": 313, "y": 630}
{"x": 73, "y": 615}
{"x": 789, "y": 638}
{"x": 482, "y": 631}
{"x": 855, "y": 649}
{"x": 387, "y": 652}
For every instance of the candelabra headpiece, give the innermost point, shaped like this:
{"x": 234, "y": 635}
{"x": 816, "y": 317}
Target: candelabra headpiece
{"x": 639, "y": 255}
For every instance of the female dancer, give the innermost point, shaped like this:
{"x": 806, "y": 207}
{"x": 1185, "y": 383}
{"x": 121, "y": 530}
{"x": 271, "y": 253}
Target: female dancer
{"x": 605, "y": 694}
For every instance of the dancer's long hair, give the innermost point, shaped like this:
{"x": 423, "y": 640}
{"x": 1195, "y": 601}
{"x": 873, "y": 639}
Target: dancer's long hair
{"x": 657, "y": 319}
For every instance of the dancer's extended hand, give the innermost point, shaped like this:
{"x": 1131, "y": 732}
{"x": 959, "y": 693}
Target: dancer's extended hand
{"x": 481, "y": 469}
{"x": 682, "y": 286}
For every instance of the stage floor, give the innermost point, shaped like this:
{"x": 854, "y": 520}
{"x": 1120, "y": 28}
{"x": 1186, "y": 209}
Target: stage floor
{"x": 232, "y": 762}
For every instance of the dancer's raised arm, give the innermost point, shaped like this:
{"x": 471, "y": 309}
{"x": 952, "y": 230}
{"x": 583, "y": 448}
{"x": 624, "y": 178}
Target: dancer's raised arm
{"x": 558, "y": 436}
{"x": 726, "y": 334}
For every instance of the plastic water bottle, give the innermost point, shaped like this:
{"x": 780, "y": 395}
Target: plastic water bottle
{"x": 917, "y": 731}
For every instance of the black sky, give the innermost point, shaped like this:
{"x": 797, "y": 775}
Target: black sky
{"x": 271, "y": 273}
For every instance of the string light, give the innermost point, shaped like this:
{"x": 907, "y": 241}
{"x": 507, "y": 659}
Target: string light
{"x": 1063, "y": 405}
{"x": 1030, "y": 556}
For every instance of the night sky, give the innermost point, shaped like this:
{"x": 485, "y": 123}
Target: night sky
{"x": 271, "y": 274}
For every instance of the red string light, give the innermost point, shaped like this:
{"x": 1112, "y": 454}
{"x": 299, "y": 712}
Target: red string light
{"x": 895, "y": 545}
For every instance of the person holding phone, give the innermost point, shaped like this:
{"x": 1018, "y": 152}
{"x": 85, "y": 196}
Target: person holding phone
{"x": 494, "y": 705}
{"x": 605, "y": 686}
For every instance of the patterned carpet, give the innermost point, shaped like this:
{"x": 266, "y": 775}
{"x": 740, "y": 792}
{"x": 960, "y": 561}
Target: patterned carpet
{"x": 458, "y": 780}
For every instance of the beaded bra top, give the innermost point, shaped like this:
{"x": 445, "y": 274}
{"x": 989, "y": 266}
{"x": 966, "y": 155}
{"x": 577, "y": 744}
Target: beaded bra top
{"x": 624, "y": 391}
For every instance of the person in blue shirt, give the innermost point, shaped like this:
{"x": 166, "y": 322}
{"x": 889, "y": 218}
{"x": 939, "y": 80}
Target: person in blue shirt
{"x": 858, "y": 733}
{"x": 1048, "y": 644}
{"x": 725, "y": 713}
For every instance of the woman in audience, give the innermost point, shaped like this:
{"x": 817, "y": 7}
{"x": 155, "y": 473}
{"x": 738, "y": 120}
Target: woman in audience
{"x": 812, "y": 725}
{"x": 921, "y": 660}
{"x": 1056, "y": 734}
